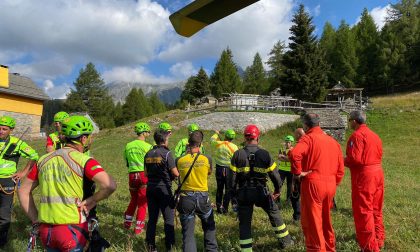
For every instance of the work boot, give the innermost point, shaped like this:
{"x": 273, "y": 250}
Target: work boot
{"x": 286, "y": 242}
{"x": 128, "y": 220}
{"x": 139, "y": 227}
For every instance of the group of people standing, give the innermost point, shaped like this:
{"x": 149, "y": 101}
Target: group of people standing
{"x": 311, "y": 162}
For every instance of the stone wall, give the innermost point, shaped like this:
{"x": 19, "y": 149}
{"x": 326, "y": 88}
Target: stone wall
{"x": 332, "y": 121}
{"x": 23, "y": 121}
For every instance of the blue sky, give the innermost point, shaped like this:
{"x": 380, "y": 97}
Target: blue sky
{"x": 134, "y": 41}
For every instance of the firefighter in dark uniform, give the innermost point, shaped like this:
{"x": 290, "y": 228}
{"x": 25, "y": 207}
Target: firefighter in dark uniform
{"x": 250, "y": 167}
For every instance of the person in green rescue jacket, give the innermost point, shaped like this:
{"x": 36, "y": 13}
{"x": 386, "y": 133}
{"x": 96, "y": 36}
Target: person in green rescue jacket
{"x": 11, "y": 149}
{"x": 137, "y": 180}
{"x": 182, "y": 146}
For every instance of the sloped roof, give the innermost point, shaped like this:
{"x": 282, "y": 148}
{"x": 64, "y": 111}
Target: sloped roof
{"x": 23, "y": 86}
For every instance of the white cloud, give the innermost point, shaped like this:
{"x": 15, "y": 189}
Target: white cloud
{"x": 183, "y": 70}
{"x": 179, "y": 72}
{"x": 317, "y": 10}
{"x": 102, "y": 31}
{"x": 56, "y": 92}
{"x": 379, "y": 15}
{"x": 254, "y": 29}
{"x": 49, "y": 68}
{"x": 137, "y": 74}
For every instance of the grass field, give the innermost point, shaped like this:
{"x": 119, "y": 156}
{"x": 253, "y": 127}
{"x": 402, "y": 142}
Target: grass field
{"x": 396, "y": 119}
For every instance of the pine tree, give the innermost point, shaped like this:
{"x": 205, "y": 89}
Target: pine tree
{"x": 132, "y": 107}
{"x": 255, "y": 80}
{"x": 90, "y": 95}
{"x": 404, "y": 22}
{"x": 118, "y": 115}
{"x": 275, "y": 62}
{"x": 327, "y": 44}
{"x": 156, "y": 104}
{"x": 366, "y": 36}
{"x": 344, "y": 65}
{"x": 186, "y": 94}
{"x": 306, "y": 69}
{"x": 201, "y": 85}
{"x": 225, "y": 77}
{"x": 146, "y": 108}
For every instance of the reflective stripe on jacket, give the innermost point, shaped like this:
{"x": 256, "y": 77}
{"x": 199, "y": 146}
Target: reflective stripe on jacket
{"x": 224, "y": 150}
{"x": 60, "y": 179}
{"x": 8, "y": 163}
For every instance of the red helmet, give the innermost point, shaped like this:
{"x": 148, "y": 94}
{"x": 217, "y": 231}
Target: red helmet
{"x": 251, "y": 132}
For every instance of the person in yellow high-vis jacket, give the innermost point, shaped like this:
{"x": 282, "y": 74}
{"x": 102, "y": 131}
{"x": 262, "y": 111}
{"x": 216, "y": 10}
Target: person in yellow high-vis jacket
{"x": 62, "y": 212}
{"x": 284, "y": 165}
{"x": 224, "y": 153}
{"x": 11, "y": 149}
{"x": 55, "y": 139}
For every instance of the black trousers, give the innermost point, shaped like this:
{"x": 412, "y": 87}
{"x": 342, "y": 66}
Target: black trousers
{"x": 158, "y": 198}
{"x": 190, "y": 205}
{"x": 288, "y": 176}
{"x": 295, "y": 199}
{"x": 6, "y": 205}
{"x": 258, "y": 196}
{"x": 222, "y": 194}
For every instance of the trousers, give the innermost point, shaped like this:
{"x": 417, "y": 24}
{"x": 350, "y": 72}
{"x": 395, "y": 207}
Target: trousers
{"x": 222, "y": 195}
{"x": 137, "y": 182}
{"x": 193, "y": 204}
{"x": 367, "y": 203}
{"x": 158, "y": 198}
{"x": 57, "y": 238}
{"x": 6, "y": 205}
{"x": 316, "y": 200}
{"x": 259, "y": 196}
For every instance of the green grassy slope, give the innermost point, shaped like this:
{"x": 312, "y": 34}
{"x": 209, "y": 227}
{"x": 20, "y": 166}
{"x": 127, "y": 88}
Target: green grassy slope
{"x": 395, "y": 119}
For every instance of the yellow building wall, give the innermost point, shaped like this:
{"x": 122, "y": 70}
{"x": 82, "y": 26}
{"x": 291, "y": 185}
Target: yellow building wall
{"x": 19, "y": 104}
{"x": 4, "y": 76}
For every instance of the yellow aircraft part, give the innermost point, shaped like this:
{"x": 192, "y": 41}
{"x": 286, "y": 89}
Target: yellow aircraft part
{"x": 200, "y": 13}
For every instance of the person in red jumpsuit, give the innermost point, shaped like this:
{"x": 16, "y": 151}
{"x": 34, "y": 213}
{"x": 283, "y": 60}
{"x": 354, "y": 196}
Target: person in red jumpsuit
{"x": 317, "y": 161}
{"x": 364, "y": 157}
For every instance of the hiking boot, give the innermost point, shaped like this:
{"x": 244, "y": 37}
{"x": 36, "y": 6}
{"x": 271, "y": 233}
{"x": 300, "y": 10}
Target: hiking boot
{"x": 152, "y": 248}
{"x": 139, "y": 227}
{"x": 286, "y": 242}
{"x": 128, "y": 220}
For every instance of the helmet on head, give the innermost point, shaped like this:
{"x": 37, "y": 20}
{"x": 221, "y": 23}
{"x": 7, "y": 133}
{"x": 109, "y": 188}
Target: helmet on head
{"x": 193, "y": 127}
{"x": 289, "y": 138}
{"x": 60, "y": 116}
{"x": 141, "y": 127}
{"x": 251, "y": 132}
{"x": 230, "y": 134}
{"x": 165, "y": 126}
{"x": 7, "y": 121}
{"x": 76, "y": 126}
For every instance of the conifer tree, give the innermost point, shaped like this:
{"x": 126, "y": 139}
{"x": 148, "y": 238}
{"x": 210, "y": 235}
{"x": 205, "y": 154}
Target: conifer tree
{"x": 344, "y": 64}
{"x": 118, "y": 115}
{"x": 201, "y": 85}
{"x": 146, "y": 109}
{"x": 306, "y": 69}
{"x": 225, "y": 77}
{"x": 255, "y": 80}
{"x": 156, "y": 104}
{"x": 275, "y": 62}
{"x": 366, "y": 36}
{"x": 186, "y": 94}
{"x": 327, "y": 44}
{"x": 132, "y": 107}
{"x": 91, "y": 96}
